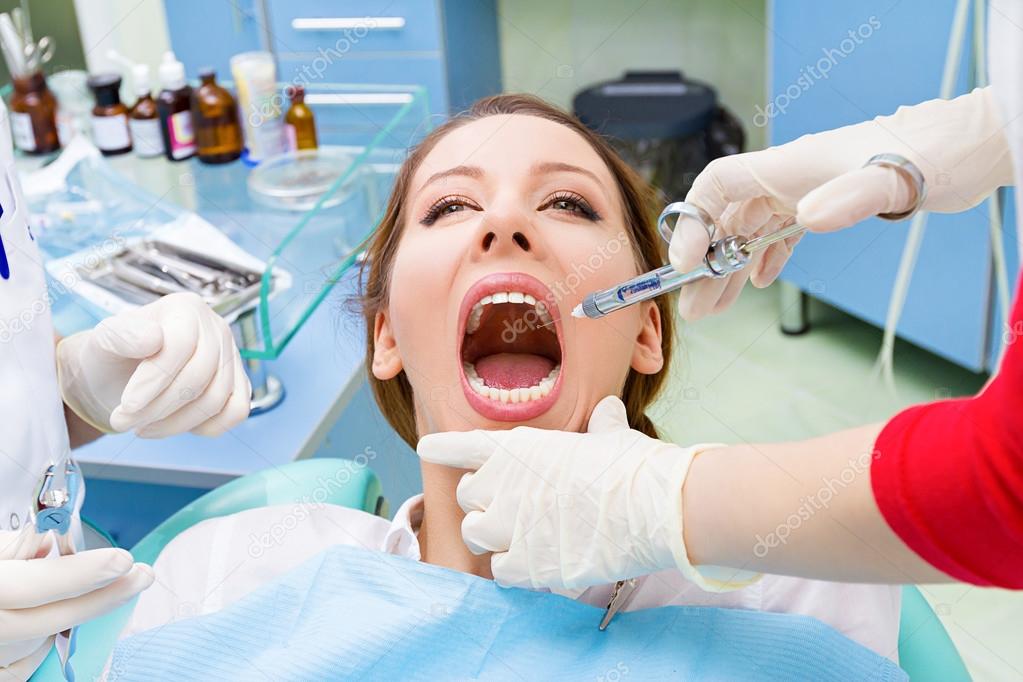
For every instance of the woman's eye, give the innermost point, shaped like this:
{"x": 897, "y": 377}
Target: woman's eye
{"x": 446, "y": 206}
{"x": 572, "y": 203}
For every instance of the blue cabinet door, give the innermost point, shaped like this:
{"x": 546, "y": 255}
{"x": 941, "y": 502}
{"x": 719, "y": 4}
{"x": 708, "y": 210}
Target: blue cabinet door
{"x": 834, "y": 64}
{"x": 209, "y": 33}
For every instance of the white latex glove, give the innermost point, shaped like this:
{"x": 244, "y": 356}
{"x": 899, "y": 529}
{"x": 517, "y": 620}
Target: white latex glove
{"x": 819, "y": 181}
{"x": 572, "y": 510}
{"x": 41, "y": 596}
{"x": 165, "y": 368}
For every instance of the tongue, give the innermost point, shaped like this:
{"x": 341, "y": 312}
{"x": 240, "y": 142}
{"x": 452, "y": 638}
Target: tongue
{"x": 513, "y": 370}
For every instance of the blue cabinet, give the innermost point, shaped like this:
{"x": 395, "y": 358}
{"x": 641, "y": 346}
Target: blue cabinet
{"x": 833, "y": 64}
{"x": 450, "y": 47}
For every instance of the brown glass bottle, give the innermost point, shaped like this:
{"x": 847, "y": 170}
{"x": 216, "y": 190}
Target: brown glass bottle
{"x": 215, "y": 120}
{"x": 109, "y": 117}
{"x": 144, "y": 118}
{"x": 34, "y": 115}
{"x": 175, "y": 107}
{"x": 299, "y": 122}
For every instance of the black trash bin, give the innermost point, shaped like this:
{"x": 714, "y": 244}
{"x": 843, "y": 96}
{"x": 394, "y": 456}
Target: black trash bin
{"x": 666, "y": 126}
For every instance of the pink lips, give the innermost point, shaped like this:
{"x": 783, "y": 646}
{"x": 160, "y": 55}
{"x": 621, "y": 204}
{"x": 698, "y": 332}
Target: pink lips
{"x": 498, "y": 282}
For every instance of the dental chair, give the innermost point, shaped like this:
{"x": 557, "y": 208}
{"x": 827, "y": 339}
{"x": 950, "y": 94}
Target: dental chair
{"x": 925, "y": 650}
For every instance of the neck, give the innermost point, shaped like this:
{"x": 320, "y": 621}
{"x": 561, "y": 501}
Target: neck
{"x": 440, "y": 536}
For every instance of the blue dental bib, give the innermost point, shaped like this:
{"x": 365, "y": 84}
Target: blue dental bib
{"x": 349, "y": 613}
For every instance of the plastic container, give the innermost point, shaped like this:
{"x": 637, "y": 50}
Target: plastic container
{"x": 296, "y": 180}
{"x": 259, "y": 104}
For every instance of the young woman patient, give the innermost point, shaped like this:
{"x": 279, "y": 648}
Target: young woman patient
{"x": 500, "y": 221}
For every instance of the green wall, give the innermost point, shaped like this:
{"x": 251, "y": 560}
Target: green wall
{"x": 554, "y": 48}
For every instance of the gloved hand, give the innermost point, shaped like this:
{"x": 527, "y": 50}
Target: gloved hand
{"x": 165, "y": 368}
{"x": 572, "y": 510}
{"x": 41, "y": 596}
{"x": 820, "y": 182}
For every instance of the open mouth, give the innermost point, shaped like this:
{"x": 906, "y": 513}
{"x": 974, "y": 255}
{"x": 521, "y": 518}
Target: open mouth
{"x": 511, "y": 347}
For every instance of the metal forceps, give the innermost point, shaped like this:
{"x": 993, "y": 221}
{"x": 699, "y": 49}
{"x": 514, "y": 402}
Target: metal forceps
{"x": 53, "y": 509}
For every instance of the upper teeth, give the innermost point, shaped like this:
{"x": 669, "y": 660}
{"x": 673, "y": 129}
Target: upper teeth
{"x": 545, "y": 319}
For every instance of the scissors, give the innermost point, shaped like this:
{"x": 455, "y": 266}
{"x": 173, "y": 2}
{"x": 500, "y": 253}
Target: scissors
{"x": 54, "y": 508}
{"x": 724, "y": 256}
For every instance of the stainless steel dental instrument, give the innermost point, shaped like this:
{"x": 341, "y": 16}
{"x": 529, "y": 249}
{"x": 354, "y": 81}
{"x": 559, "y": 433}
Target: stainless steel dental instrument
{"x": 145, "y": 270}
{"x": 53, "y": 509}
{"x": 725, "y": 256}
{"x": 621, "y": 594}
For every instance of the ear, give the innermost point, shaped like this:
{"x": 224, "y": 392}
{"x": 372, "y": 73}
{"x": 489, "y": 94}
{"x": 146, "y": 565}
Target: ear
{"x": 386, "y": 358}
{"x": 647, "y": 357}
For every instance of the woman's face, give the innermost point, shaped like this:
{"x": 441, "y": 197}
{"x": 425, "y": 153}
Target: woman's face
{"x": 510, "y": 221}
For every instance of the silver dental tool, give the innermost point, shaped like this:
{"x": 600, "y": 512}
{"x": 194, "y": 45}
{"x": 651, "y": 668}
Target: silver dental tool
{"x": 53, "y": 509}
{"x": 725, "y": 256}
{"x": 620, "y": 596}
{"x": 144, "y": 271}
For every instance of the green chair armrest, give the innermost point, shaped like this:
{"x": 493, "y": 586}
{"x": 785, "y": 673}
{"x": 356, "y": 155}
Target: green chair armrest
{"x": 322, "y": 480}
{"x": 926, "y": 652}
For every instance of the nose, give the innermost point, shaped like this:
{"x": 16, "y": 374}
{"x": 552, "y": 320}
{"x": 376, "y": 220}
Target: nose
{"x": 517, "y": 238}
{"x": 506, "y": 232}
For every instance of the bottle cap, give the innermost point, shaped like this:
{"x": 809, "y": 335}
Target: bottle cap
{"x": 296, "y": 93}
{"x": 105, "y": 88}
{"x": 207, "y": 72}
{"x": 140, "y": 79}
{"x": 172, "y": 72}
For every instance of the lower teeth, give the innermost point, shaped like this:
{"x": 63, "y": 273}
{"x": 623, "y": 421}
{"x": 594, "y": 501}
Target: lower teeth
{"x": 514, "y": 395}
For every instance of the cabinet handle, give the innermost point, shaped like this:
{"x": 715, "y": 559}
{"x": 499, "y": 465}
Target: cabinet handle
{"x": 342, "y": 23}
{"x": 333, "y": 99}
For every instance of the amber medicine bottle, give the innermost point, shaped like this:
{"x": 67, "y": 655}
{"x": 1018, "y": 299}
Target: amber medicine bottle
{"x": 34, "y": 115}
{"x": 174, "y": 105}
{"x": 109, "y": 117}
{"x": 299, "y": 122}
{"x": 143, "y": 118}
{"x": 215, "y": 120}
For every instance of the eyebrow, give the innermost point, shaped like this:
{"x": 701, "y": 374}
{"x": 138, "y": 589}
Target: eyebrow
{"x": 469, "y": 171}
{"x": 561, "y": 167}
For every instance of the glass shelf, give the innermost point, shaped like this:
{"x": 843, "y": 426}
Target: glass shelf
{"x": 372, "y": 124}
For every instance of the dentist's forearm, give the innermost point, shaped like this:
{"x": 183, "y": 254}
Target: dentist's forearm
{"x": 79, "y": 431}
{"x": 804, "y": 509}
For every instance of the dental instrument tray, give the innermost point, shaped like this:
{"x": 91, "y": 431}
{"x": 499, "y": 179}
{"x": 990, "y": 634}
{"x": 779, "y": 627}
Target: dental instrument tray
{"x": 145, "y": 270}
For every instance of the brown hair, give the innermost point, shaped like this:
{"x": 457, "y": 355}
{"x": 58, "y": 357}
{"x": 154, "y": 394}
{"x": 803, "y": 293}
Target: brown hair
{"x": 394, "y": 396}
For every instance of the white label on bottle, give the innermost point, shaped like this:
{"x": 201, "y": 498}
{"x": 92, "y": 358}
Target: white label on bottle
{"x": 65, "y": 127}
{"x": 21, "y": 129}
{"x": 145, "y": 136}
{"x": 111, "y": 132}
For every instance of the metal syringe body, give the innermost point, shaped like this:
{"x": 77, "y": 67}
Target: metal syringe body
{"x": 725, "y": 256}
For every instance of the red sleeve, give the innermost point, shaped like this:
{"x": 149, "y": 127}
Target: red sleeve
{"x": 948, "y": 476}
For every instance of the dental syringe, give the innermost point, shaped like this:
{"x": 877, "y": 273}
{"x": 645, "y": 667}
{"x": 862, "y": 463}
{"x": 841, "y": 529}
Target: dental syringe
{"x": 725, "y": 256}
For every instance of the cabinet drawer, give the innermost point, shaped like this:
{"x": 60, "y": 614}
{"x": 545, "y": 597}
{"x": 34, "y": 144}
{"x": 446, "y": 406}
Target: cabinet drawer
{"x": 345, "y": 26}
{"x": 386, "y": 68}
